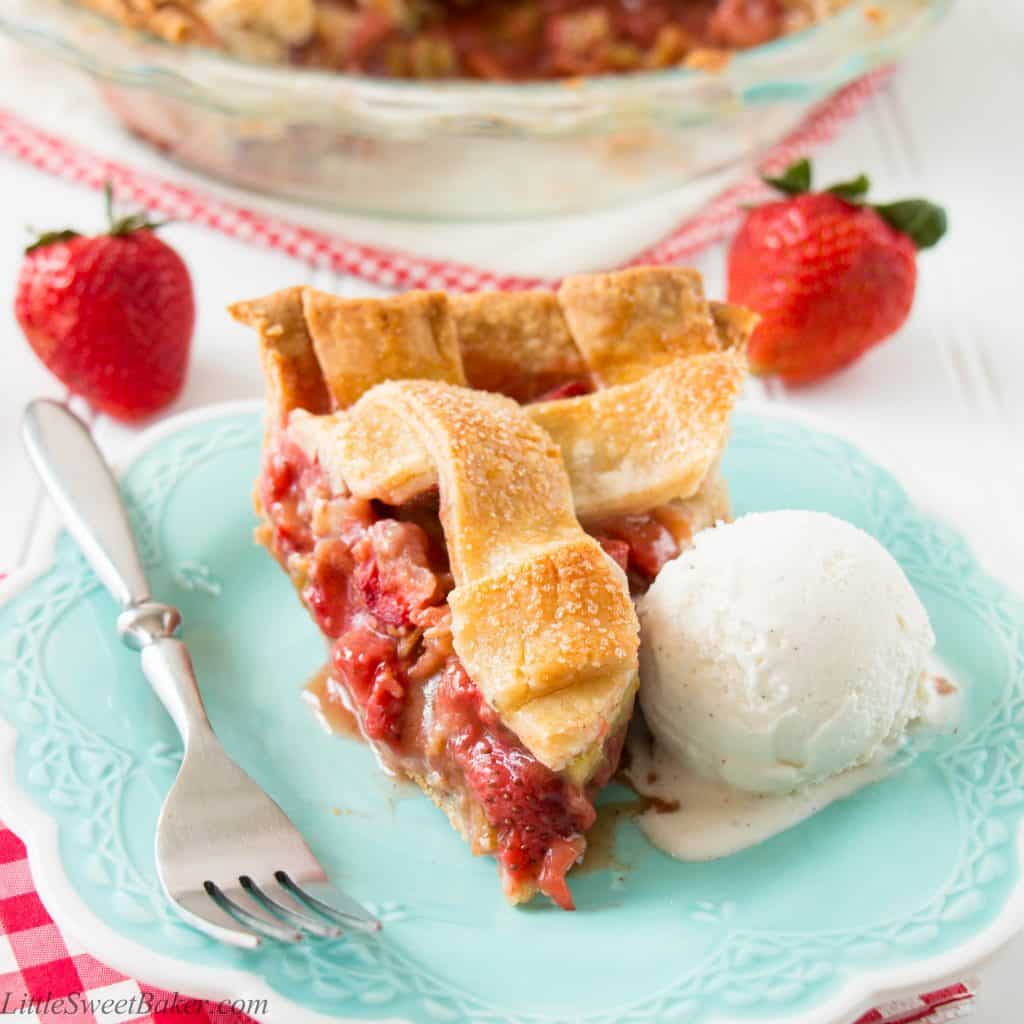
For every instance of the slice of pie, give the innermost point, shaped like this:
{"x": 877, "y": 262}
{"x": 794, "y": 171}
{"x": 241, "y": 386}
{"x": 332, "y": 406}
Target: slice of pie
{"x": 465, "y": 490}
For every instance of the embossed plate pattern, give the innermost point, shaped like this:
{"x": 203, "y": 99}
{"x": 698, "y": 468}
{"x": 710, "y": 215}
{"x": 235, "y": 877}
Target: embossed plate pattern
{"x": 900, "y": 885}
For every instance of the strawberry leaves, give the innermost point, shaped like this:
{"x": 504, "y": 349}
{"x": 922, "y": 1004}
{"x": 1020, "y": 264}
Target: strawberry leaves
{"x": 50, "y": 238}
{"x": 852, "y": 191}
{"x": 923, "y": 222}
{"x": 117, "y": 226}
{"x": 794, "y": 180}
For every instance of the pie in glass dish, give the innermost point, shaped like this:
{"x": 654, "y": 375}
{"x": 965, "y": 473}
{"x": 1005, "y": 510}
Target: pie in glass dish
{"x": 468, "y": 492}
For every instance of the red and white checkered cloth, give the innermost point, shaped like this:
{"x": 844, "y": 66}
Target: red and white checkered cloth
{"x": 386, "y": 267}
{"x": 41, "y": 977}
{"x": 44, "y": 979}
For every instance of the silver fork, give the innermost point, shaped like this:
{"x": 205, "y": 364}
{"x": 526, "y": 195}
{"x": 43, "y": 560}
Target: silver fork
{"x": 228, "y": 858}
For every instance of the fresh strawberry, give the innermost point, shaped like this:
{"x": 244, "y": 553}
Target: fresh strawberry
{"x": 111, "y": 315}
{"x": 830, "y": 275}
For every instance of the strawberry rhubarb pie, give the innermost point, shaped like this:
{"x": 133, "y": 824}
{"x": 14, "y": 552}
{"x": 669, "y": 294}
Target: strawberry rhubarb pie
{"x": 488, "y": 39}
{"x": 468, "y": 493}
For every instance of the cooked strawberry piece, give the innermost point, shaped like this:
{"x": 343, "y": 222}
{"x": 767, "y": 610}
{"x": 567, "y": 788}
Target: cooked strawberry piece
{"x": 327, "y": 592}
{"x": 287, "y": 478}
{"x": 356, "y": 655}
{"x": 383, "y": 719}
{"x": 571, "y": 389}
{"x": 529, "y": 806}
{"x": 558, "y": 860}
{"x": 279, "y": 476}
{"x": 650, "y": 543}
{"x": 393, "y": 570}
{"x": 618, "y": 549}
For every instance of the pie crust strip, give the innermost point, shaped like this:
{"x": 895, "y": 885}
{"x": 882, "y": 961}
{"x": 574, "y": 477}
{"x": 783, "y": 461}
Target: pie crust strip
{"x": 626, "y": 448}
{"x": 541, "y": 616}
{"x": 519, "y": 343}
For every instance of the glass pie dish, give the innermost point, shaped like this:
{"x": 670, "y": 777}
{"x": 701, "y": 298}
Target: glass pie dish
{"x": 463, "y": 150}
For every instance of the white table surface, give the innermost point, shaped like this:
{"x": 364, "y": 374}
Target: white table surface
{"x": 941, "y": 404}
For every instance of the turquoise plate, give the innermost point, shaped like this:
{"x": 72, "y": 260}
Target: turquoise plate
{"x": 901, "y": 885}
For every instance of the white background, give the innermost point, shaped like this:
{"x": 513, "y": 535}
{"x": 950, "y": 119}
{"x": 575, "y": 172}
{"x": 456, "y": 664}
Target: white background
{"x": 942, "y": 403}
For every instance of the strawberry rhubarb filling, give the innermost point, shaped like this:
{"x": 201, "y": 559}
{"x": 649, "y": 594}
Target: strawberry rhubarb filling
{"x": 376, "y": 580}
{"x": 528, "y": 39}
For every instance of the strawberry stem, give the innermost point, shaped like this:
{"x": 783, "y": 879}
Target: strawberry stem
{"x": 116, "y": 226}
{"x": 108, "y": 203}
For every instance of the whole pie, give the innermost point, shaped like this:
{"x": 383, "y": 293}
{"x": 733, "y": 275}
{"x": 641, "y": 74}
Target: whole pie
{"x": 490, "y": 39}
{"x": 467, "y": 492}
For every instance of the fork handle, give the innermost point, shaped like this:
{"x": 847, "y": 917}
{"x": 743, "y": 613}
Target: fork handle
{"x": 86, "y": 494}
{"x": 83, "y": 488}
{"x": 168, "y": 667}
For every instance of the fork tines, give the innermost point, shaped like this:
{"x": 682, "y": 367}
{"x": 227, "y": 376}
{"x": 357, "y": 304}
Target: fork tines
{"x": 279, "y": 909}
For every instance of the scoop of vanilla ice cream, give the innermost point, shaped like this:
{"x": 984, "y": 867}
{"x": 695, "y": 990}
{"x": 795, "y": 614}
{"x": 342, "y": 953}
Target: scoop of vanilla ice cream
{"x": 780, "y": 650}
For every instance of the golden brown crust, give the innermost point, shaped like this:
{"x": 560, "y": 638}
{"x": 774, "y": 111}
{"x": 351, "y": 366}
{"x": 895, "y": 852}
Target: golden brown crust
{"x": 620, "y": 455}
{"x": 538, "y": 607}
{"x": 630, "y": 322}
{"x": 625, "y": 449}
{"x": 378, "y": 459}
{"x": 293, "y": 374}
{"x": 541, "y": 617}
{"x": 503, "y": 485}
{"x": 516, "y": 343}
{"x": 686, "y": 517}
{"x": 635, "y": 446}
{"x": 734, "y": 324}
{"x": 555, "y": 639}
{"x": 605, "y": 328}
{"x": 362, "y": 342}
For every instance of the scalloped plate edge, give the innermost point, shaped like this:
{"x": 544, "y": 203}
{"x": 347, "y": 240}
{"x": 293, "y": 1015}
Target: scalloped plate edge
{"x": 39, "y": 832}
